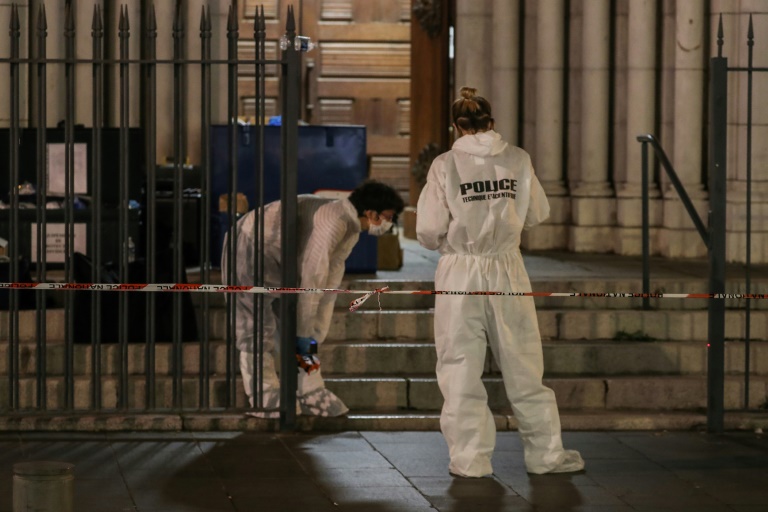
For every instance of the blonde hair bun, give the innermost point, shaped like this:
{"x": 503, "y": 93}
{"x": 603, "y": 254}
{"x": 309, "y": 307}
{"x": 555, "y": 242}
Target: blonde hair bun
{"x": 468, "y": 92}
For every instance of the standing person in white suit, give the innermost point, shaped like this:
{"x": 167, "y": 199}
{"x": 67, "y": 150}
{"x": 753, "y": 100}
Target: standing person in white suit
{"x": 478, "y": 198}
{"x": 328, "y": 230}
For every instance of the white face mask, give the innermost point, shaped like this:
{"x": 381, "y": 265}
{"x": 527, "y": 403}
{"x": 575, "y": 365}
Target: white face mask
{"x": 378, "y": 230}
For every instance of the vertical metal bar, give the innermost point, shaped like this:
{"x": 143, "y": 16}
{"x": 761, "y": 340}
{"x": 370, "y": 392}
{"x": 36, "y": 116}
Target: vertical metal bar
{"x": 261, "y": 70}
{"x": 124, "y": 34}
{"x": 97, "y": 32}
{"x": 289, "y": 134}
{"x": 748, "y": 323}
{"x": 232, "y": 36}
{"x": 646, "y": 229}
{"x": 717, "y": 196}
{"x": 42, "y": 185}
{"x": 205, "y": 211}
{"x": 14, "y": 136}
{"x": 178, "y": 185}
{"x": 150, "y": 146}
{"x": 69, "y": 205}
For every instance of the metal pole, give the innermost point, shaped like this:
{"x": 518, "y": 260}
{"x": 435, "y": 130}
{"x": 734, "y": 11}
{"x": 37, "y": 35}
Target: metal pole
{"x": 232, "y": 36}
{"x": 13, "y": 157}
{"x": 42, "y": 185}
{"x": 646, "y": 229}
{"x": 97, "y": 33}
{"x": 124, "y": 34}
{"x": 150, "y": 132}
{"x": 717, "y": 196}
{"x": 69, "y": 206}
{"x": 748, "y": 323}
{"x": 179, "y": 151}
{"x": 205, "y": 210}
{"x": 289, "y": 134}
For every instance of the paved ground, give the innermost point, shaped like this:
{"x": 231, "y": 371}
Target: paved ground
{"x": 394, "y": 472}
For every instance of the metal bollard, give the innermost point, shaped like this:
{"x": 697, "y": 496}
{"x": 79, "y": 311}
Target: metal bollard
{"x": 43, "y": 486}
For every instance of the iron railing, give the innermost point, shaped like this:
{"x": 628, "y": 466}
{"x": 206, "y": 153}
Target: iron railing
{"x": 105, "y": 219}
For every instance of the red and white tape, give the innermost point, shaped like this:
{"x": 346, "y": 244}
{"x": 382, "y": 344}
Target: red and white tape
{"x": 364, "y": 294}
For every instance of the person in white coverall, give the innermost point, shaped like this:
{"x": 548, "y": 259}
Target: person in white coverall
{"x": 328, "y": 230}
{"x": 478, "y": 198}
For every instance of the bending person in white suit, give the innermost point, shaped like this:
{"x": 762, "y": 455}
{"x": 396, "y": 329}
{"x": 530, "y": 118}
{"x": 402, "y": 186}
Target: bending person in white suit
{"x": 328, "y": 230}
{"x": 478, "y": 198}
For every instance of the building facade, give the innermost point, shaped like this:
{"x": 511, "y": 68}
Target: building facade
{"x": 574, "y": 82}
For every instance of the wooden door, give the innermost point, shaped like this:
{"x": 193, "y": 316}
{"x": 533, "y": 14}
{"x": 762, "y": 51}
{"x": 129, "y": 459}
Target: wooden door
{"x": 358, "y": 73}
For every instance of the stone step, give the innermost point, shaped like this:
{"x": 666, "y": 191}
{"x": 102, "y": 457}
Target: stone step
{"x": 563, "y": 324}
{"x": 403, "y": 357}
{"x": 416, "y": 393}
{"x": 561, "y": 358}
{"x": 367, "y": 420}
{"x": 659, "y": 393}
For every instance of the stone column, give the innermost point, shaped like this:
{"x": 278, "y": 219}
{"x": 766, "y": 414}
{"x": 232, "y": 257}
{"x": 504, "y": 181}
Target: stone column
{"x": 641, "y": 119}
{"x": 550, "y": 101}
{"x": 505, "y": 51}
{"x": 593, "y": 207}
{"x": 548, "y": 114}
{"x": 679, "y": 238}
{"x": 473, "y": 46}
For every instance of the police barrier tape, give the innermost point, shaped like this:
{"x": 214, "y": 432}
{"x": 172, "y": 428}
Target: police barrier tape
{"x": 355, "y": 304}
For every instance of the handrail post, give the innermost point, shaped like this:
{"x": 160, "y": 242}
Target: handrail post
{"x": 645, "y": 229}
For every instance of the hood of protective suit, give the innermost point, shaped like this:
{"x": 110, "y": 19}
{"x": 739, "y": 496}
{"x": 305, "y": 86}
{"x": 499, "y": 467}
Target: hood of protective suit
{"x": 481, "y": 143}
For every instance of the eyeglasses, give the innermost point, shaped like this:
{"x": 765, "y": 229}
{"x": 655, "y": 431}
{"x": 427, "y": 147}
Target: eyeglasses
{"x": 386, "y": 217}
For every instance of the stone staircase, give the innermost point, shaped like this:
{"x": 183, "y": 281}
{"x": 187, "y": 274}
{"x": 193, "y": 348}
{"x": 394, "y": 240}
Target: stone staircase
{"x": 601, "y": 354}
{"x": 611, "y": 364}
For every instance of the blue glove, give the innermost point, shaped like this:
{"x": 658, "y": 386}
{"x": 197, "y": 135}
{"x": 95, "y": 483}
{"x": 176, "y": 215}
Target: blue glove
{"x": 306, "y": 346}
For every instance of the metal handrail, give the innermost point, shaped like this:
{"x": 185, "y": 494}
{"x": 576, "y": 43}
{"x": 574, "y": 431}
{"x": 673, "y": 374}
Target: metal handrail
{"x": 647, "y": 139}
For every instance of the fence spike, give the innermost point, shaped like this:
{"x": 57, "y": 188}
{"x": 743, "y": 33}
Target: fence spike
{"x": 202, "y": 22}
{"x": 178, "y": 21}
{"x": 69, "y": 23}
{"x": 96, "y": 25}
{"x": 720, "y": 36}
{"x": 290, "y": 25}
{"x": 152, "y": 21}
{"x": 263, "y": 25}
{"x": 256, "y": 24}
{"x": 42, "y": 21}
{"x": 750, "y": 33}
{"x": 231, "y": 21}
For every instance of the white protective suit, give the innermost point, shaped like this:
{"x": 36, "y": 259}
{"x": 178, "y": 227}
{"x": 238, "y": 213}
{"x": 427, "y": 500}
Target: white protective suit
{"x": 478, "y": 198}
{"x": 327, "y": 232}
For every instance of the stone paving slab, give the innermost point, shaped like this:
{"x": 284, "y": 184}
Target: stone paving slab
{"x": 392, "y": 472}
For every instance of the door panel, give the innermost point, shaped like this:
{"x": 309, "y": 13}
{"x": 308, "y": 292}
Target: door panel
{"x": 359, "y": 72}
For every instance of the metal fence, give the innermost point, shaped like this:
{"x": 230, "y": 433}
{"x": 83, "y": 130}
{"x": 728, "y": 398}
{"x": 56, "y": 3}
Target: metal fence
{"x": 156, "y": 374}
{"x": 713, "y": 235}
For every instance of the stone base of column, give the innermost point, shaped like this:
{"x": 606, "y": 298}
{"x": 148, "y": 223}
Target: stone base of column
{"x": 736, "y": 247}
{"x": 680, "y": 243}
{"x": 600, "y": 239}
{"x": 546, "y": 237}
{"x": 408, "y": 222}
{"x": 593, "y": 211}
{"x": 559, "y": 210}
{"x": 629, "y": 241}
{"x": 629, "y": 212}
{"x": 677, "y": 217}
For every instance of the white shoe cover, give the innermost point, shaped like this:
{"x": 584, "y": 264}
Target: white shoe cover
{"x": 570, "y": 463}
{"x": 315, "y": 399}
